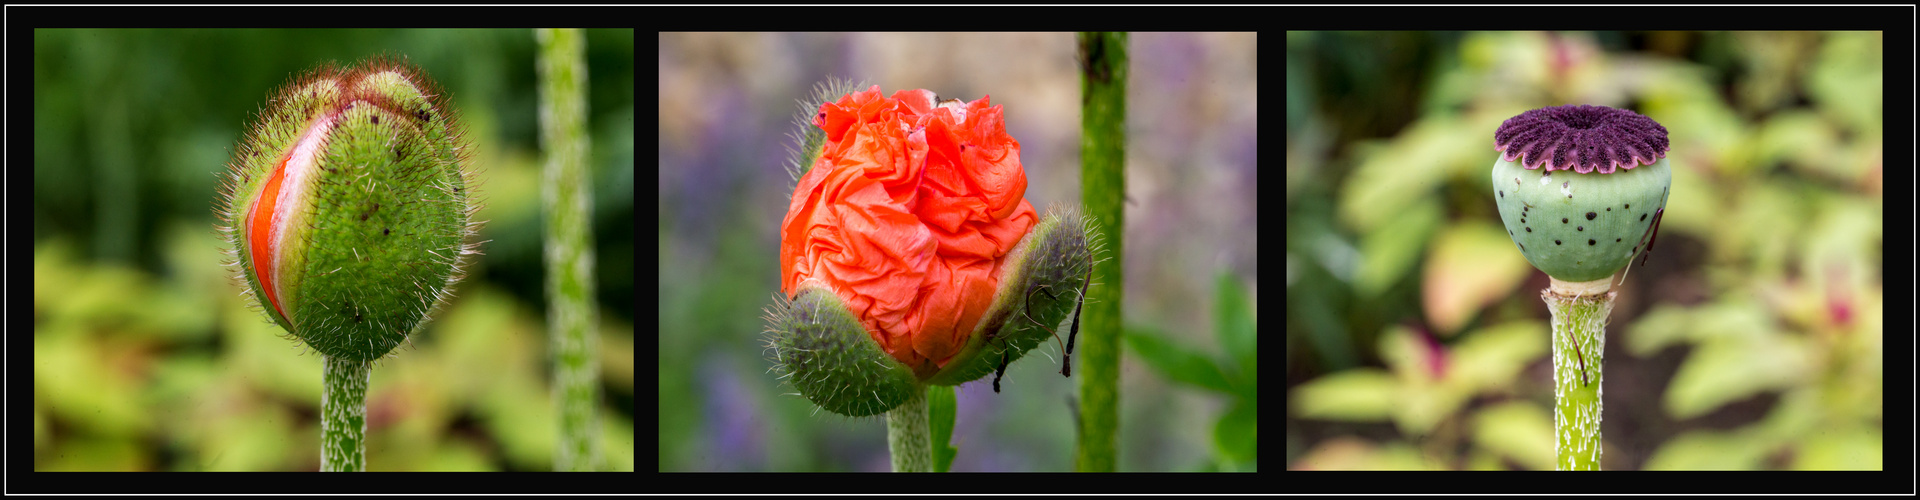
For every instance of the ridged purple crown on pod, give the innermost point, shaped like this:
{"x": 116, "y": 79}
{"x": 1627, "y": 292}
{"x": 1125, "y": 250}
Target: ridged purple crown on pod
{"x": 1582, "y": 138}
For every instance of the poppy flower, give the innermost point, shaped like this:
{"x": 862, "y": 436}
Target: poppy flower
{"x": 908, "y": 215}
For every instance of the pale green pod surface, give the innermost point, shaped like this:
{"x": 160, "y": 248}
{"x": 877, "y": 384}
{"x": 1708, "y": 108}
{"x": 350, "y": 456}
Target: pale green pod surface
{"x": 1581, "y": 187}
{"x": 1580, "y": 227}
{"x": 348, "y": 207}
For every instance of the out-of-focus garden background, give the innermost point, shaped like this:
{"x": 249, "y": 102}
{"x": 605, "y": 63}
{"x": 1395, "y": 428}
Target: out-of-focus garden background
{"x": 1751, "y": 339}
{"x": 726, "y": 106}
{"x": 145, "y": 355}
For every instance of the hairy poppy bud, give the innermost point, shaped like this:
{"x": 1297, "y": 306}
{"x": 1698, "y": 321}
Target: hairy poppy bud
{"x": 348, "y": 207}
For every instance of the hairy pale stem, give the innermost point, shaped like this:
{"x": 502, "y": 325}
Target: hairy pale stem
{"x": 1579, "y": 341}
{"x": 343, "y": 415}
{"x": 1103, "y": 188}
{"x": 908, "y": 434}
{"x": 569, "y": 249}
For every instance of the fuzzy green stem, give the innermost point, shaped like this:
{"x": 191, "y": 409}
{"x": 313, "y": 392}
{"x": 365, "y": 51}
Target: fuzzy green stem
{"x": 1103, "y": 189}
{"x": 343, "y": 415}
{"x": 569, "y": 248}
{"x": 908, "y": 434}
{"x": 1579, "y": 341}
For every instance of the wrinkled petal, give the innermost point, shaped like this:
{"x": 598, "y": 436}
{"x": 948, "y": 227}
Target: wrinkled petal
{"x": 907, "y": 215}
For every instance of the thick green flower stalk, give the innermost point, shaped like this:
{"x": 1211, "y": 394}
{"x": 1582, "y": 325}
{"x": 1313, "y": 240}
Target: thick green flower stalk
{"x": 1579, "y": 341}
{"x": 1580, "y": 226}
{"x": 348, "y": 211}
{"x": 568, "y": 205}
{"x": 1103, "y": 186}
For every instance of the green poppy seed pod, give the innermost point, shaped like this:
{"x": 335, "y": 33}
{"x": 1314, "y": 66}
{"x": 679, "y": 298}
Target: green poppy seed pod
{"x": 348, "y": 207}
{"x": 1598, "y": 200}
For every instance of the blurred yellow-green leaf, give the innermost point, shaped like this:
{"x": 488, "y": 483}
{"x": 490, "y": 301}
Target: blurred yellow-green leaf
{"x": 1390, "y": 251}
{"x": 1723, "y": 370}
{"x": 1708, "y": 450}
{"x": 1518, "y": 430}
{"x": 1430, "y": 390}
{"x": 1363, "y": 395}
{"x": 1662, "y": 326}
{"x": 1491, "y": 358}
{"x": 1397, "y": 174}
{"x": 1846, "y": 78}
{"x": 1846, "y": 448}
{"x": 1354, "y": 454}
{"x": 1472, "y": 264}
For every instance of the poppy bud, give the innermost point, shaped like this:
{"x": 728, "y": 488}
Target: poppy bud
{"x": 348, "y": 207}
{"x": 910, "y": 253}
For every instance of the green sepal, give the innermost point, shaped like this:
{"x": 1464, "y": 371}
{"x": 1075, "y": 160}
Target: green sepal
{"x": 820, "y": 348}
{"x": 1042, "y": 283}
{"x": 384, "y": 236}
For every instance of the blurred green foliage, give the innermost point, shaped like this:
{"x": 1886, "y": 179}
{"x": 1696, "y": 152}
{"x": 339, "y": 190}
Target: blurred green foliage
{"x": 1235, "y": 373}
{"x": 147, "y": 358}
{"x": 1751, "y": 337}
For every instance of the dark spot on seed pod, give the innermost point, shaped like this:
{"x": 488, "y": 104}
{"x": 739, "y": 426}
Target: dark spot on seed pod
{"x": 1616, "y": 240}
{"x": 1609, "y": 209}
{"x": 1629, "y": 206}
{"x": 1509, "y": 232}
{"x": 386, "y": 231}
{"x": 425, "y": 115}
{"x": 1503, "y": 194}
{"x": 376, "y": 119}
{"x": 1529, "y": 229}
{"x": 1589, "y": 242}
{"x": 1591, "y": 215}
{"x": 1523, "y": 246}
{"x": 1579, "y": 228}
{"x": 1556, "y": 242}
{"x": 1523, "y": 220}
{"x": 1563, "y": 220}
{"x": 1643, "y": 217}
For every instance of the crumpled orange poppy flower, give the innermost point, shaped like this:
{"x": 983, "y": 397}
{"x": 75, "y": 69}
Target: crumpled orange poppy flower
{"x": 907, "y": 215}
